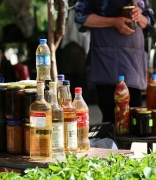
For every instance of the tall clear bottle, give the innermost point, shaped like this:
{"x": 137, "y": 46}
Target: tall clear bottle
{"x": 82, "y": 115}
{"x": 40, "y": 126}
{"x": 60, "y": 78}
{"x": 122, "y": 109}
{"x": 70, "y": 121}
{"x": 57, "y": 123}
{"x": 43, "y": 62}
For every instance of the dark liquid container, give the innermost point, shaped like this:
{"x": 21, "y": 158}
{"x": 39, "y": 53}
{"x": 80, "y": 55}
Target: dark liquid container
{"x": 2, "y": 134}
{"x": 2, "y": 102}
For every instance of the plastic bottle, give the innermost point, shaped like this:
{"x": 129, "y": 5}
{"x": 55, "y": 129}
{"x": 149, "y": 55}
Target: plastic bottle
{"x": 122, "y": 110}
{"x": 57, "y": 123}
{"x": 82, "y": 115}
{"x": 151, "y": 93}
{"x": 43, "y": 63}
{"x": 70, "y": 121}
{"x": 40, "y": 126}
{"x": 61, "y": 78}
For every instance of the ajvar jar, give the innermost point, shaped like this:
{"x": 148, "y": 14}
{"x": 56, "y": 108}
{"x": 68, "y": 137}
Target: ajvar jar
{"x": 14, "y": 136}
{"x": 2, "y": 134}
{"x": 27, "y": 139}
{"x": 14, "y": 101}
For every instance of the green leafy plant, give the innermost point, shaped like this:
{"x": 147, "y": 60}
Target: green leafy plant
{"x": 113, "y": 167}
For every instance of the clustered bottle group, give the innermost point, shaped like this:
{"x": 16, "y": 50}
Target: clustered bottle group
{"x": 42, "y": 119}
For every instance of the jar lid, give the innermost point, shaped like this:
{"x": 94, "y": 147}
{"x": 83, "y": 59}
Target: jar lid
{"x": 31, "y": 90}
{"x": 139, "y": 109}
{"x": 3, "y": 85}
{"x": 28, "y": 83}
{"x": 27, "y": 124}
{"x": 144, "y": 112}
{"x": 128, "y": 7}
{"x": 15, "y": 85}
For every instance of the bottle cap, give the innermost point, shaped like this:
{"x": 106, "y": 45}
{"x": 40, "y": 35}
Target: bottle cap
{"x": 66, "y": 82}
{"x": 153, "y": 76}
{"x": 52, "y": 84}
{"x": 121, "y": 78}
{"x": 43, "y": 41}
{"x": 78, "y": 90}
{"x": 60, "y": 77}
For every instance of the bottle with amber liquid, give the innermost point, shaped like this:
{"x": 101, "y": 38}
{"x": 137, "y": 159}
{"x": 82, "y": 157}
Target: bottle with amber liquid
{"x": 40, "y": 126}
{"x": 70, "y": 121}
{"x": 57, "y": 123}
{"x": 82, "y": 115}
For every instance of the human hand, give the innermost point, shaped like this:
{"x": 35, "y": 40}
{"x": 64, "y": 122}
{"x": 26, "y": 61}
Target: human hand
{"x": 136, "y": 14}
{"x": 119, "y": 23}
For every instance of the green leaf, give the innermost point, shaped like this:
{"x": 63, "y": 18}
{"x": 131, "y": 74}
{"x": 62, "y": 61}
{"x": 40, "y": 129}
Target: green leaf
{"x": 54, "y": 168}
{"x": 147, "y": 172}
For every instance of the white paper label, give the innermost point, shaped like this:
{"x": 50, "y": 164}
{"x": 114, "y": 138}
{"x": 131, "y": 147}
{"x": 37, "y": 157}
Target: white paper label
{"x": 37, "y": 119}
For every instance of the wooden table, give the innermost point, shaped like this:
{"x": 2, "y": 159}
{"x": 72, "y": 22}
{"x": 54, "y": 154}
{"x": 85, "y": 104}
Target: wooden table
{"x": 20, "y": 163}
{"x": 130, "y": 139}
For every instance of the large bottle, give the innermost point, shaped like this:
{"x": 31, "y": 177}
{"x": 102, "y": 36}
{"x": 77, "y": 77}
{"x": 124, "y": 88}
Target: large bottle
{"x": 151, "y": 93}
{"x": 122, "y": 109}
{"x": 82, "y": 115}
{"x": 40, "y": 126}
{"x": 60, "y": 78}
{"x": 70, "y": 121}
{"x": 43, "y": 63}
{"x": 57, "y": 123}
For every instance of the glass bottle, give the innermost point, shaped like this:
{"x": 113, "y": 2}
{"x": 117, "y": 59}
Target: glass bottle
{"x": 151, "y": 93}
{"x": 60, "y": 78}
{"x": 57, "y": 123}
{"x": 122, "y": 109}
{"x": 43, "y": 62}
{"x": 40, "y": 126}
{"x": 70, "y": 121}
{"x": 82, "y": 115}
{"x": 46, "y": 90}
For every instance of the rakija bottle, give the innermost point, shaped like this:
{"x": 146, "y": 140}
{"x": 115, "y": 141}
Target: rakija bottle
{"x": 70, "y": 121}
{"x": 40, "y": 126}
{"x": 82, "y": 115}
{"x": 57, "y": 123}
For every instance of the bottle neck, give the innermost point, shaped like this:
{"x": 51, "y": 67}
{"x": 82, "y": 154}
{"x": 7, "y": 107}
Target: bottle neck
{"x": 65, "y": 93}
{"x": 40, "y": 93}
{"x": 53, "y": 95}
{"x": 78, "y": 96}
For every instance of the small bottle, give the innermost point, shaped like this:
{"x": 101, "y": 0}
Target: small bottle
{"x": 82, "y": 115}
{"x": 70, "y": 121}
{"x": 122, "y": 109}
{"x": 61, "y": 78}
{"x": 40, "y": 126}
{"x": 151, "y": 93}
{"x": 57, "y": 123}
{"x": 43, "y": 63}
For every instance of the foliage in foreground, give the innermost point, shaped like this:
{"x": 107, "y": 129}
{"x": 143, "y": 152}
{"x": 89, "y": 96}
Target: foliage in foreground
{"x": 114, "y": 167}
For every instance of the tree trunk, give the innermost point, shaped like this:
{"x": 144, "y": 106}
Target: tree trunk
{"x": 55, "y": 36}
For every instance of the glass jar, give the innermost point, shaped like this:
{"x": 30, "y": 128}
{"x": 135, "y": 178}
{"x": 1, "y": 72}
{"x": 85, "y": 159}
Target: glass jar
{"x": 3, "y": 134}
{"x": 27, "y": 139}
{"x": 154, "y": 122}
{"x": 14, "y": 102}
{"x": 144, "y": 123}
{"x": 2, "y": 102}
{"x": 29, "y": 98}
{"x": 14, "y": 134}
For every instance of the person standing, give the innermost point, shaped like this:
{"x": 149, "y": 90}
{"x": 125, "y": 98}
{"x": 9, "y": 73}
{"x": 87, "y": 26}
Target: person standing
{"x": 115, "y": 49}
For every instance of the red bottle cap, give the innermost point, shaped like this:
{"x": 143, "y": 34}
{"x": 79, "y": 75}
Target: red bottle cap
{"x": 78, "y": 90}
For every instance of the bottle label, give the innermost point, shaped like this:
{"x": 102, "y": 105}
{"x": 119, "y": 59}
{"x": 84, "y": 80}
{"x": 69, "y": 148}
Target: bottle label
{"x": 37, "y": 119}
{"x": 82, "y": 119}
{"x": 43, "y": 60}
{"x": 58, "y": 136}
{"x": 71, "y": 135}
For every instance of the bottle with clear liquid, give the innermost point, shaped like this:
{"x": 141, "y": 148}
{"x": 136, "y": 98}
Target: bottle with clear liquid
{"x": 57, "y": 123}
{"x": 43, "y": 62}
{"x": 60, "y": 78}
{"x": 40, "y": 126}
{"x": 46, "y": 90}
{"x": 70, "y": 121}
{"x": 82, "y": 115}
{"x": 122, "y": 109}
